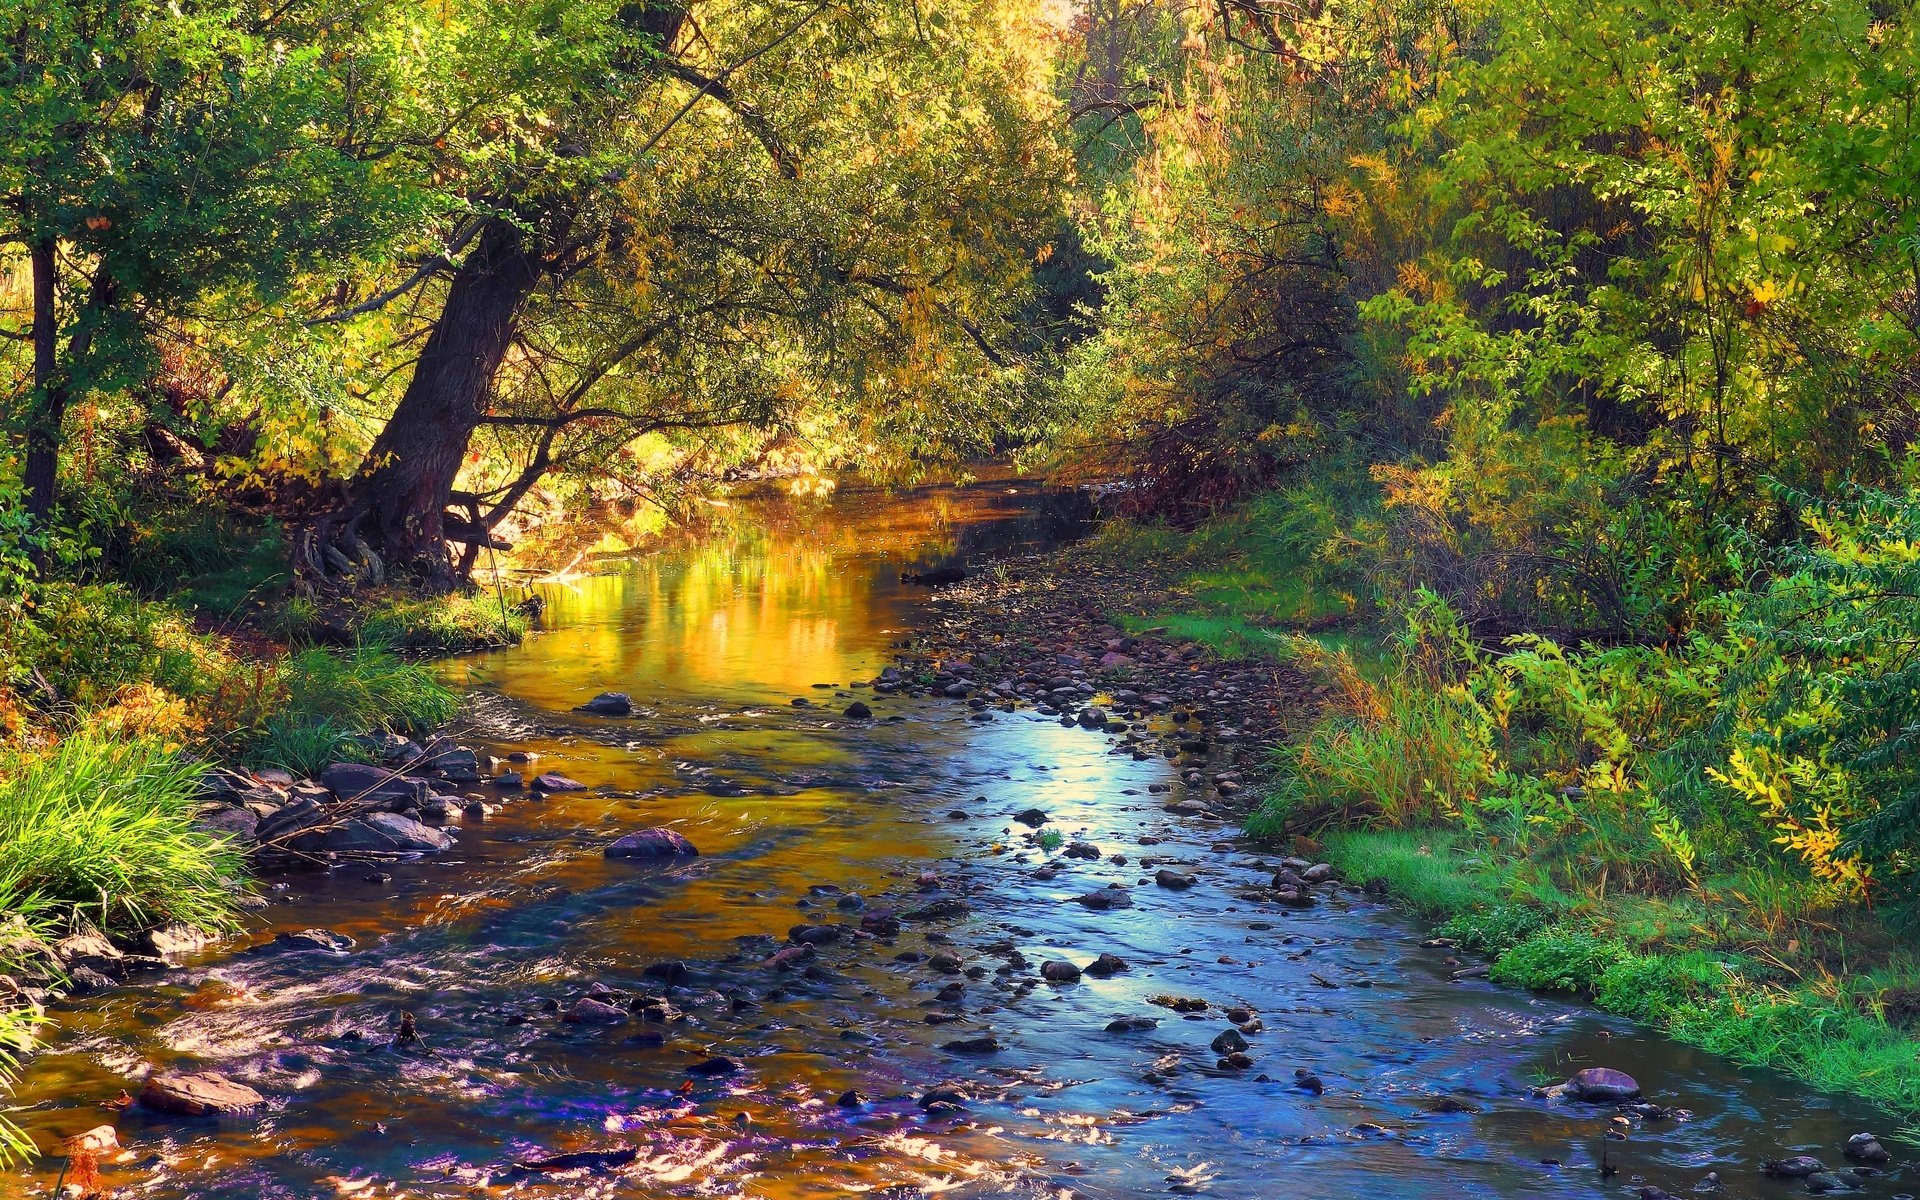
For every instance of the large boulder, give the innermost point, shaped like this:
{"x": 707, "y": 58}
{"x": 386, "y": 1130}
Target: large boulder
{"x": 197, "y": 1094}
{"x": 652, "y": 843}
{"x": 371, "y": 786}
{"x": 387, "y": 833}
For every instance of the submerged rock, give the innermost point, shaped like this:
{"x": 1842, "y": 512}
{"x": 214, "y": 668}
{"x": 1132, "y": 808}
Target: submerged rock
{"x": 557, "y": 783}
{"x": 197, "y": 1094}
{"x": 588, "y": 1011}
{"x": 311, "y": 939}
{"x": 608, "y": 704}
{"x": 659, "y": 842}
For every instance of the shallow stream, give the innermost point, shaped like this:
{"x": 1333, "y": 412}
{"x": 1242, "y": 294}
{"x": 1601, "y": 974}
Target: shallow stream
{"x": 1427, "y": 1081}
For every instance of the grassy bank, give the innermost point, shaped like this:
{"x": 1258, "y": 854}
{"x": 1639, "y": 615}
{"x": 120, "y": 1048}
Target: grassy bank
{"x": 1710, "y": 832}
{"x": 114, "y": 704}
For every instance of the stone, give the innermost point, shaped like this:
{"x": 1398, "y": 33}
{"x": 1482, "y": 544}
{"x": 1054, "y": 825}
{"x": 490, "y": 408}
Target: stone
{"x": 984, "y": 1044}
{"x": 1798, "y": 1166}
{"x": 197, "y": 1094}
{"x": 1317, "y": 873}
{"x": 361, "y": 783}
{"x": 1032, "y": 818}
{"x": 387, "y": 833}
{"x": 608, "y": 704}
{"x": 509, "y": 781}
{"x": 1602, "y": 1085}
{"x": 857, "y": 711}
{"x": 1132, "y": 1024}
{"x": 1821, "y": 1182}
{"x": 98, "y": 1141}
{"x": 1106, "y": 965}
{"x": 312, "y": 939}
{"x": 236, "y": 824}
{"x": 588, "y": 1011}
{"x": 1059, "y": 970}
{"x": 557, "y": 783}
{"x": 1174, "y": 880}
{"x": 719, "y": 1064}
{"x": 1866, "y": 1148}
{"x": 177, "y": 938}
{"x": 658, "y": 842}
{"x": 1230, "y": 1041}
{"x": 1106, "y": 898}
{"x": 813, "y": 935}
{"x": 294, "y": 827}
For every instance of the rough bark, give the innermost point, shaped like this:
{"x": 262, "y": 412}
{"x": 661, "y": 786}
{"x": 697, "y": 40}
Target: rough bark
{"x": 42, "y": 466}
{"x": 396, "y": 516}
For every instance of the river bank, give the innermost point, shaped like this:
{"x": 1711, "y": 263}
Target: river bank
{"x": 928, "y": 948}
{"x": 1484, "y": 828}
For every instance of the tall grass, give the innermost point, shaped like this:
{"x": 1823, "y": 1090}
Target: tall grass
{"x": 302, "y": 713}
{"x": 103, "y": 830}
{"x": 444, "y": 624}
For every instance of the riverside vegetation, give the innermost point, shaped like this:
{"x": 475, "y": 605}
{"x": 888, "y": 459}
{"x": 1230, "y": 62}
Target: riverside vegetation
{"x": 1543, "y": 378}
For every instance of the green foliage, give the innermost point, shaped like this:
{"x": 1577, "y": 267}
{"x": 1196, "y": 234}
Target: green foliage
{"x": 1493, "y": 931}
{"x": 363, "y": 689}
{"x": 1558, "y": 959}
{"x": 101, "y": 829}
{"x": 442, "y": 624}
{"x": 1423, "y": 868}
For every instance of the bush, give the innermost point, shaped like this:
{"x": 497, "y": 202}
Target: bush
{"x": 1494, "y": 931}
{"x": 1558, "y": 959}
{"x": 103, "y": 829}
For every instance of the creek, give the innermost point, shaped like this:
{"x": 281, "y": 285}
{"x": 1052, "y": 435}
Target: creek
{"x": 805, "y": 817}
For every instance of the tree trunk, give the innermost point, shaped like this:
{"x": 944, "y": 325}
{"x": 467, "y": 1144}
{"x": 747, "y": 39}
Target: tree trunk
{"x": 49, "y": 412}
{"x": 400, "y": 496}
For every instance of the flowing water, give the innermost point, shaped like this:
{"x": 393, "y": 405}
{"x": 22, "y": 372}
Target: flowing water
{"x": 799, "y": 812}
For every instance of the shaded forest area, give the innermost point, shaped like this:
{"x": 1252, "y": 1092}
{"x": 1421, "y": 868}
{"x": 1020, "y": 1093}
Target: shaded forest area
{"x": 1543, "y": 376}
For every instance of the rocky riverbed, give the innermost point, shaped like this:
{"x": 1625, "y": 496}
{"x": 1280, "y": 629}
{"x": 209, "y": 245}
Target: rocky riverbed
{"x": 870, "y": 890}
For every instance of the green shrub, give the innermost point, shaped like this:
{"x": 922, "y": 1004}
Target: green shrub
{"x": 103, "y": 829}
{"x": 1560, "y": 958}
{"x": 1494, "y": 931}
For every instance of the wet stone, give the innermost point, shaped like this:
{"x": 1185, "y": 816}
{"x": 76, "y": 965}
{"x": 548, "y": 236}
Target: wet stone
{"x": 1600, "y": 1085}
{"x": 589, "y": 1011}
{"x": 1059, "y": 970}
{"x": 197, "y": 1094}
{"x": 608, "y": 704}
{"x": 652, "y": 843}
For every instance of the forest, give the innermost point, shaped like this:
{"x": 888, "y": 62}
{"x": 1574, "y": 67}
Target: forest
{"x": 1540, "y": 380}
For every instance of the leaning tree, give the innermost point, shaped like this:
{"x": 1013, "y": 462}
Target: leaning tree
{"x": 694, "y": 216}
